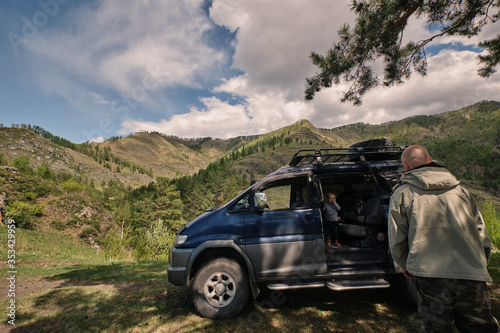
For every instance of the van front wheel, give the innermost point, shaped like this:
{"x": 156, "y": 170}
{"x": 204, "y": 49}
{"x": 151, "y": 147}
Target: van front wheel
{"x": 220, "y": 289}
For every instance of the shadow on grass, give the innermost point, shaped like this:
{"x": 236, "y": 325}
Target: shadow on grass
{"x": 124, "y": 272}
{"x": 114, "y": 298}
{"x": 136, "y": 297}
{"x": 323, "y": 310}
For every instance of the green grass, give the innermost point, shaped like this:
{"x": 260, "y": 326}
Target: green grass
{"x": 63, "y": 286}
{"x": 42, "y": 253}
{"x": 492, "y": 223}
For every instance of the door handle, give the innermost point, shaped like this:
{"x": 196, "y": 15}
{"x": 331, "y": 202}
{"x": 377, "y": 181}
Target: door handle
{"x": 309, "y": 218}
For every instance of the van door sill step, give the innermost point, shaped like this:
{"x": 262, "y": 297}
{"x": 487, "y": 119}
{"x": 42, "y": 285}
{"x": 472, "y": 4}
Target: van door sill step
{"x": 295, "y": 285}
{"x": 357, "y": 284}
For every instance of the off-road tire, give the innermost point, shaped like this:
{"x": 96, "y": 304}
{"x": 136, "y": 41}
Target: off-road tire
{"x": 220, "y": 289}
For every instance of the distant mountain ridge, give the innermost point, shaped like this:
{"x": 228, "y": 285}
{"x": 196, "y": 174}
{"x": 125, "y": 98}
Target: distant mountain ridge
{"x": 110, "y": 195}
{"x": 139, "y": 158}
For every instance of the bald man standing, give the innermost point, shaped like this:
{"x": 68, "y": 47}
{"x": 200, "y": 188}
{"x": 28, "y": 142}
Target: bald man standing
{"x": 438, "y": 237}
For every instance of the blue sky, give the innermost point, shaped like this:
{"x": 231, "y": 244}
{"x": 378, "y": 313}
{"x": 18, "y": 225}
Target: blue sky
{"x": 87, "y": 70}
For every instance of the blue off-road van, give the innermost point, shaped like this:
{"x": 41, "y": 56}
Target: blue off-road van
{"x": 273, "y": 233}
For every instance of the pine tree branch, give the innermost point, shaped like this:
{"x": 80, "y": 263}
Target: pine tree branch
{"x": 423, "y": 43}
{"x": 402, "y": 20}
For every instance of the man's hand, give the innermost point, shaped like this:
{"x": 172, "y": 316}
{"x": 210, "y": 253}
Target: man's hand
{"x": 406, "y": 273}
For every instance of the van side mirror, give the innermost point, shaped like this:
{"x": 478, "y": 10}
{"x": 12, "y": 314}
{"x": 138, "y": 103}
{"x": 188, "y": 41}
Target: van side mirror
{"x": 260, "y": 201}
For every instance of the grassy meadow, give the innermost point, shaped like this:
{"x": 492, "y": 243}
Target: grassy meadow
{"x": 63, "y": 286}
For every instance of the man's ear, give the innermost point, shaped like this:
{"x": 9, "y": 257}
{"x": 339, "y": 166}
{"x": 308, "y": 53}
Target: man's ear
{"x": 406, "y": 166}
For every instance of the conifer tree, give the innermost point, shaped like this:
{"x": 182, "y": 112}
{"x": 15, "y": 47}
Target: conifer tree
{"x": 378, "y": 34}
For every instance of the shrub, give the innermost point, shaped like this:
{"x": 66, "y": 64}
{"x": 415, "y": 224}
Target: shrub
{"x": 29, "y": 195}
{"x": 75, "y": 221}
{"x": 23, "y": 213}
{"x": 22, "y": 163}
{"x": 492, "y": 223}
{"x": 46, "y": 187}
{"x": 87, "y": 231}
{"x": 44, "y": 172}
{"x": 71, "y": 185}
{"x": 58, "y": 224}
{"x": 155, "y": 243}
{"x": 112, "y": 245}
{"x": 63, "y": 176}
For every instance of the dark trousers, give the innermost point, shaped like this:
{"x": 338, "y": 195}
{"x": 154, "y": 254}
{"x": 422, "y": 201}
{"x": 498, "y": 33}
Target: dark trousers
{"x": 446, "y": 303}
{"x": 331, "y": 231}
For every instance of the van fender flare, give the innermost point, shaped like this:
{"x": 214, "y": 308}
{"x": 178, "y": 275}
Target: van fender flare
{"x": 213, "y": 244}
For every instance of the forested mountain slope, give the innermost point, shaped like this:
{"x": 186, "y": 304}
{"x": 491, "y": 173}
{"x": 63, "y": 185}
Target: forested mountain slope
{"x": 466, "y": 140}
{"x": 167, "y": 156}
{"x": 134, "y": 192}
{"x": 19, "y": 142}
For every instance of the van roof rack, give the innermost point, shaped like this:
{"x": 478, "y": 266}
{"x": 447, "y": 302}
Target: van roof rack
{"x": 342, "y": 155}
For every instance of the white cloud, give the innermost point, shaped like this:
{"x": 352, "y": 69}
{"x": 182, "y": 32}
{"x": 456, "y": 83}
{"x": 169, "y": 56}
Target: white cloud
{"x": 220, "y": 120}
{"x": 275, "y": 38}
{"x": 97, "y": 98}
{"x": 260, "y": 114}
{"x": 97, "y": 140}
{"x": 118, "y": 44}
{"x": 117, "y": 50}
{"x": 451, "y": 83}
{"x": 273, "y": 41}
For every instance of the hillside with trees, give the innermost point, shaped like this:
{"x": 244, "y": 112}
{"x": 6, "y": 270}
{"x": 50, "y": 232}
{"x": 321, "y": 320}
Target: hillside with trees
{"x": 81, "y": 191}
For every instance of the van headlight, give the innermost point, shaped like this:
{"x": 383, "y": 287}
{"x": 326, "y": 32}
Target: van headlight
{"x": 180, "y": 239}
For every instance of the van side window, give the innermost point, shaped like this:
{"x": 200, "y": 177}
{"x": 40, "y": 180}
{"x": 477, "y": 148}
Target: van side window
{"x": 290, "y": 193}
{"x": 243, "y": 205}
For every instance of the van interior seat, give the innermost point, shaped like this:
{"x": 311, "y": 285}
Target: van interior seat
{"x": 372, "y": 215}
{"x": 372, "y": 212}
{"x": 351, "y": 202}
